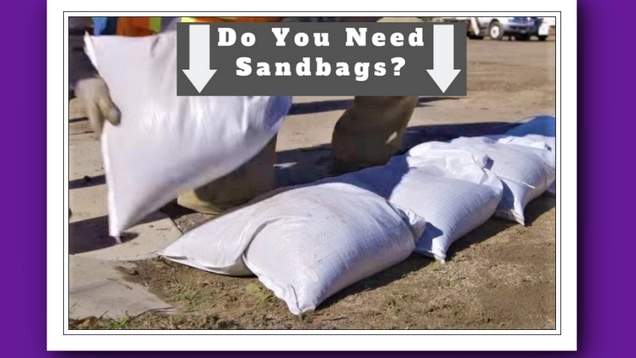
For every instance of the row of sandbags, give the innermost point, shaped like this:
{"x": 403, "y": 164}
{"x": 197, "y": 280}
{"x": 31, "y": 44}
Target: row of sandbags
{"x": 309, "y": 241}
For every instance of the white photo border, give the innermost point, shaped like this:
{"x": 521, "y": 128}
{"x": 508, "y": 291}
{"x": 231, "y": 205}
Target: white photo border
{"x": 59, "y": 337}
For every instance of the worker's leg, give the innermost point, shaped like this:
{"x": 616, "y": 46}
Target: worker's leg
{"x": 370, "y": 132}
{"x": 250, "y": 180}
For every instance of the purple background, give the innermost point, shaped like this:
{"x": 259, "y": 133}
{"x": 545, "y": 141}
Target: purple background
{"x": 606, "y": 251}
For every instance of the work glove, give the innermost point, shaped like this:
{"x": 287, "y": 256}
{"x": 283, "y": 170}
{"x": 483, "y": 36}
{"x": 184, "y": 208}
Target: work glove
{"x": 94, "y": 94}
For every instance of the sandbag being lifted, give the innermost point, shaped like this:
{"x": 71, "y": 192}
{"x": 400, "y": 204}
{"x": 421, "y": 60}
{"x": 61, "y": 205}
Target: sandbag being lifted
{"x": 167, "y": 144}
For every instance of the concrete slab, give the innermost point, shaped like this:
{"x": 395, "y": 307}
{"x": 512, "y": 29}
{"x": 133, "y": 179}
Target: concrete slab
{"x": 89, "y": 238}
{"x": 78, "y": 123}
{"x": 97, "y": 283}
{"x": 88, "y": 231}
{"x": 98, "y": 288}
{"x": 76, "y": 109}
{"x": 85, "y": 158}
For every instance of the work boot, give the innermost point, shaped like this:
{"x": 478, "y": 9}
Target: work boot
{"x": 245, "y": 183}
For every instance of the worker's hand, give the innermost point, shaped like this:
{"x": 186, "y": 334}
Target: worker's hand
{"x": 94, "y": 94}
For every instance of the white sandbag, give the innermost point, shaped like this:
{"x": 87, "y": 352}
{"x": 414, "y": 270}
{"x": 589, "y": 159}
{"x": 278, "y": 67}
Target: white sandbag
{"x": 526, "y": 172}
{"x": 218, "y": 245}
{"x": 552, "y": 189}
{"x": 165, "y": 143}
{"x": 537, "y": 129}
{"x": 536, "y": 133}
{"x": 533, "y": 141}
{"x": 530, "y": 140}
{"x": 311, "y": 242}
{"x": 448, "y": 187}
{"x": 306, "y": 243}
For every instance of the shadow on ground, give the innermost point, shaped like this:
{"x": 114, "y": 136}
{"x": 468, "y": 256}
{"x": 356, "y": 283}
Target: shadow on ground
{"x": 493, "y": 226}
{"x": 92, "y": 234}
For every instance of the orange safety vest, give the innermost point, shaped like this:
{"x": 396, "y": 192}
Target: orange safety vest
{"x": 146, "y": 26}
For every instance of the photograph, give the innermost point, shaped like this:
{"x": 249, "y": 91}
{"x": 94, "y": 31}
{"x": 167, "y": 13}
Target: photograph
{"x": 221, "y": 176}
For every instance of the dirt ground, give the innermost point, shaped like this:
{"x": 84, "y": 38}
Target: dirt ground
{"x": 500, "y": 276}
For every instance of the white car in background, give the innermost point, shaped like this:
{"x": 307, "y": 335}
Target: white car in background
{"x": 519, "y": 28}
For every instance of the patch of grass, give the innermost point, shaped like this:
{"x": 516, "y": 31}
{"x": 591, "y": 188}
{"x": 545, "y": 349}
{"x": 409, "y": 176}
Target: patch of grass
{"x": 100, "y": 323}
{"x": 190, "y": 299}
{"x": 258, "y": 292}
{"x": 119, "y": 324}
